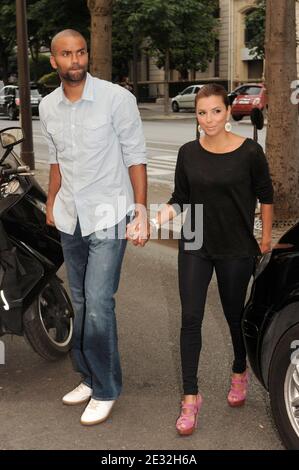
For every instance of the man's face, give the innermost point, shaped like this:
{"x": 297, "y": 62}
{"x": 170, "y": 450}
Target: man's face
{"x": 70, "y": 58}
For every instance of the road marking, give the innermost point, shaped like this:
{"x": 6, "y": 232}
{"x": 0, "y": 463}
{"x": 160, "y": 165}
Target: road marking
{"x": 157, "y": 172}
{"x": 156, "y": 149}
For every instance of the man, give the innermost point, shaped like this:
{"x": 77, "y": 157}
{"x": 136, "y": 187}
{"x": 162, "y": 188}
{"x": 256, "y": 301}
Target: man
{"x": 97, "y": 157}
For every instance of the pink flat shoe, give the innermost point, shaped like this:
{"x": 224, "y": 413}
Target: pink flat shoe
{"x": 187, "y": 423}
{"x": 237, "y": 395}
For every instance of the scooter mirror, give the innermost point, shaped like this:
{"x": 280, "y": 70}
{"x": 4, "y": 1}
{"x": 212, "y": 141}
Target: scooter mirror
{"x": 11, "y": 136}
{"x": 257, "y": 118}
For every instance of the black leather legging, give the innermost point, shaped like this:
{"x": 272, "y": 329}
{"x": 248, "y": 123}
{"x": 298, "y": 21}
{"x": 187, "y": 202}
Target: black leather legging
{"x": 195, "y": 274}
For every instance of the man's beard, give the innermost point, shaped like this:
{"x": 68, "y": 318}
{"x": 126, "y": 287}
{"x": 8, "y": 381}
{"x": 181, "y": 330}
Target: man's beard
{"x": 79, "y": 76}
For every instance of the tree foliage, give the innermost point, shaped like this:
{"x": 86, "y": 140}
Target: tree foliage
{"x": 44, "y": 19}
{"x": 8, "y": 34}
{"x": 185, "y": 28}
{"x": 123, "y": 36}
{"x": 255, "y": 23}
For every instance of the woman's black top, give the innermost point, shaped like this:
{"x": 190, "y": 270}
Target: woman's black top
{"x": 228, "y": 186}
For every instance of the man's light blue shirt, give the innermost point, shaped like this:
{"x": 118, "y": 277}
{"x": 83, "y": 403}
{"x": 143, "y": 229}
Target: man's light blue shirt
{"x": 95, "y": 140}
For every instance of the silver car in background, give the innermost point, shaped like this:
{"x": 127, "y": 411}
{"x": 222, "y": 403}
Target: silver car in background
{"x": 185, "y": 99}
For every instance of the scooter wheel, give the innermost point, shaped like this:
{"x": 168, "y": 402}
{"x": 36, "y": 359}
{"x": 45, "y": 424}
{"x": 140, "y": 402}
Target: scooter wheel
{"x": 48, "y": 323}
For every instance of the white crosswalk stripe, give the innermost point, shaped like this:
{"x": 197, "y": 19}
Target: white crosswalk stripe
{"x": 161, "y": 165}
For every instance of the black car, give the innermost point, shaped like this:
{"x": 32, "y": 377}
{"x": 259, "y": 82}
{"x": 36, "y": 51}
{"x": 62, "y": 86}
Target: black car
{"x": 271, "y": 332}
{"x": 10, "y": 101}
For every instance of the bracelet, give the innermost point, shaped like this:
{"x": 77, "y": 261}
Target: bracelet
{"x": 154, "y": 222}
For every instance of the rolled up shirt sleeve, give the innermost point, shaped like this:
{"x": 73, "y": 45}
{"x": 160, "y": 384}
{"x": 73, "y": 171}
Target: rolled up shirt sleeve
{"x": 52, "y": 156}
{"x": 261, "y": 179}
{"x": 181, "y": 193}
{"x": 128, "y": 127}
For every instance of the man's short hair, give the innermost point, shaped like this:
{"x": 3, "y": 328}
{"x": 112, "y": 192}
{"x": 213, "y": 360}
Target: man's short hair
{"x": 65, "y": 33}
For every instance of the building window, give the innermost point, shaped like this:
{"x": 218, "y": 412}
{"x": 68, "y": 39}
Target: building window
{"x": 249, "y": 31}
{"x": 255, "y": 69}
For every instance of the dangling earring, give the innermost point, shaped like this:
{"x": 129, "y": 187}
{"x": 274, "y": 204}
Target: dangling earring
{"x": 199, "y": 128}
{"x": 228, "y": 126}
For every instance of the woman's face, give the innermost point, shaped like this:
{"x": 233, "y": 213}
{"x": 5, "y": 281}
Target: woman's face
{"x": 212, "y": 114}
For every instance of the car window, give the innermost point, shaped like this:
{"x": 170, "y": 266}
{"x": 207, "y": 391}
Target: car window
{"x": 187, "y": 91}
{"x": 251, "y": 90}
{"x": 7, "y": 91}
{"x": 197, "y": 88}
{"x": 239, "y": 91}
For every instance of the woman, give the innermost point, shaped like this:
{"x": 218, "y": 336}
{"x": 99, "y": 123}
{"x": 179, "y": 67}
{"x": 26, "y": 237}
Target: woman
{"x": 226, "y": 174}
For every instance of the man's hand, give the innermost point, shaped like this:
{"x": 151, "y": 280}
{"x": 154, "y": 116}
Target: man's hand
{"x": 138, "y": 231}
{"x": 49, "y": 215}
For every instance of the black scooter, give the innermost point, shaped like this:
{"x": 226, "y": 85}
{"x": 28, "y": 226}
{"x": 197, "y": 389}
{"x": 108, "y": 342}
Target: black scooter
{"x": 33, "y": 301}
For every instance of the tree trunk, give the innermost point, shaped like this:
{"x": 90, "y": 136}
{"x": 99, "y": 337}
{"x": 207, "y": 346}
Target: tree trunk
{"x": 100, "y": 44}
{"x": 135, "y": 67}
{"x": 282, "y": 142}
{"x": 184, "y": 75}
{"x": 166, "y": 83}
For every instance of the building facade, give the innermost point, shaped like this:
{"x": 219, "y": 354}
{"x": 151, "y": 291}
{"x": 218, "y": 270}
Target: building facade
{"x": 233, "y": 63}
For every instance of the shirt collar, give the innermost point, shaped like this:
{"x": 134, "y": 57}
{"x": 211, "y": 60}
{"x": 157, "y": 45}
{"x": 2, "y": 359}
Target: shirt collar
{"x": 87, "y": 94}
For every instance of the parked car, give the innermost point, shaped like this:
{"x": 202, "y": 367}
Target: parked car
{"x": 271, "y": 332}
{"x": 247, "y": 97}
{"x": 185, "y": 99}
{"x": 10, "y": 101}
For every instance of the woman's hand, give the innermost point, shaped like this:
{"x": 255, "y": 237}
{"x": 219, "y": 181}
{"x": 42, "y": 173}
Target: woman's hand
{"x": 265, "y": 246}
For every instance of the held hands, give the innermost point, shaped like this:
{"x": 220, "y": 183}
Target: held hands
{"x": 138, "y": 231}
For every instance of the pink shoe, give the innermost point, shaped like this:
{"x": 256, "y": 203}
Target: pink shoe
{"x": 237, "y": 396}
{"x": 186, "y": 423}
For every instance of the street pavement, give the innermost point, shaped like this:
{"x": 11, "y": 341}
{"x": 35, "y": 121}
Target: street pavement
{"x": 148, "y": 314}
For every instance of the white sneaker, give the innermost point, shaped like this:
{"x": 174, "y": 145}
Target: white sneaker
{"x": 80, "y": 394}
{"x": 96, "y": 412}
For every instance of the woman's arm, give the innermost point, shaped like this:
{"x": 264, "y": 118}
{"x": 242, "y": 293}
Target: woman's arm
{"x": 267, "y": 217}
{"x": 164, "y": 215}
{"x": 263, "y": 189}
{"x": 180, "y": 196}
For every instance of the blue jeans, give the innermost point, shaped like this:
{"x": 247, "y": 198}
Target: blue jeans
{"x": 93, "y": 267}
